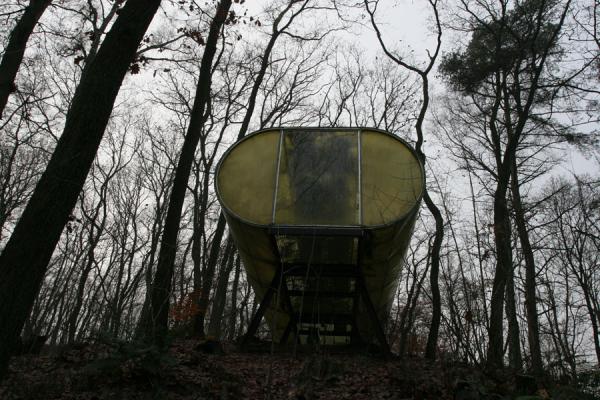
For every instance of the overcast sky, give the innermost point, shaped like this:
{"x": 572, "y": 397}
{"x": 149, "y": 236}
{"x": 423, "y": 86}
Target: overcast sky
{"x": 407, "y": 26}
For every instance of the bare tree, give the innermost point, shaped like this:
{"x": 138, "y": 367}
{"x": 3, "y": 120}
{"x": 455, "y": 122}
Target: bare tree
{"x": 56, "y": 193}
{"x": 371, "y": 8}
{"x": 575, "y": 235}
{"x": 507, "y": 95}
{"x": 218, "y": 304}
{"x": 157, "y": 323}
{"x": 13, "y": 53}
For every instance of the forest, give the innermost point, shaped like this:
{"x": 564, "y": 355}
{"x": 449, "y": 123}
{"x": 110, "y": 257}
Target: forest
{"x": 114, "y": 115}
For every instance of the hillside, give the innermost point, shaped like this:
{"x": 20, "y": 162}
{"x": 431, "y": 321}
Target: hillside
{"x": 207, "y": 370}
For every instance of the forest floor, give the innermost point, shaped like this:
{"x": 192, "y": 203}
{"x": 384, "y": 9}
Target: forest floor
{"x": 193, "y": 370}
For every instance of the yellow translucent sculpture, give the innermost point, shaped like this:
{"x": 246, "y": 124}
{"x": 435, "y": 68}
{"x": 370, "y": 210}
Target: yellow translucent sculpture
{"x": 324, "y": 198}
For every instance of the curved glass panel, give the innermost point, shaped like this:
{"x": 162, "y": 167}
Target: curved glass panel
{"x": 246, "y": 178}
{"x": 318, "y": 178}
{"x": 392, "y": 179}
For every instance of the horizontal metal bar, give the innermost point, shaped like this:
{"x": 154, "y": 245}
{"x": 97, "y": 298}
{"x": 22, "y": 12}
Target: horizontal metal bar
{"x": 316, "y": 318}
{"x": 335, "y": 332}
{"x": 321, "y": 270}
{"x": 321, "y": 293}
{"x": 308, "y": 230}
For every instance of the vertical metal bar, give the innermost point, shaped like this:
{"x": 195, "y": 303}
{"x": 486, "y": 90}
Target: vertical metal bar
{"x": 375, "y": 322}
{"x": 360, "y": 217}
{"x": 284, "y": 292}
{"x": 291, "y": 326}
{"x": 354, "y": 334}
{"x": 262, "y": 308}
{"x": 277, "y": 174}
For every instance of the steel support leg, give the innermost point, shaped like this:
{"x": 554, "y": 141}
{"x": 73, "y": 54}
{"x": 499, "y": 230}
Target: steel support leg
{"x": 262, "y": 308}
{"x": 360, "y": 281}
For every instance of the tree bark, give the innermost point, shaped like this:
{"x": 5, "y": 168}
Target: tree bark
{"x": 25, "y": 258}
{"x": 233, "y": 304}
{"x": 514, "y": 344}
{"x": 495, "y": 353}
{"x": 198, "y": 238}
{"x": 216, "y": 314}
{"x": 13, "y": 54}
{"x": 533, "y": 326}
{"x": 157, "y": 226}
{"x": 594, "y": 314}
{"x": 208, "y": 275}
{"x": 436, "y": 302}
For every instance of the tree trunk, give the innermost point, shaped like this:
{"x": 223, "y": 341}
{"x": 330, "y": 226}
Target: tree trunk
{"x": 216, "y": 315}
{"x": 594, "y": 314}
{"x": 233, "y": 304}
{"x": 404, "y": 328}
{"x": 13, "y": 54}
{"x": 514, "y": 344}
{"x": 198, "y": 240}
{"x": 72, "y": 321}
{"x": 533, "y": 327}
{"x": 495, "y": 353}
{"x": 208, "y": 275}
{"x": 95, "y": 232}
{"x": 218, "y": 236}
{"x": 25, "y": 258}
{"x": 157, "y": 326}
{"x": 436, "y": 303}
{"x": 431, "y": 348}
{"x": 157, "y": 226}
{"x": 264, "y": 63}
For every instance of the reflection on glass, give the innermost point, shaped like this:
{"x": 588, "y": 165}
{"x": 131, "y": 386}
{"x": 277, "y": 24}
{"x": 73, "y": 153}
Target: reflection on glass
{"x": 391, "y": 179}
{"x": 318, "y": 178}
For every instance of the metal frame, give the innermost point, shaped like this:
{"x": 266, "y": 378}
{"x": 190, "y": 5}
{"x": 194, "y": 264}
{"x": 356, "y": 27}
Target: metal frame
{"x": 360, "y": 215}
{"x": 316, "y": 230}
{"x": 282, "y": 130}
{"x": 279, "y": 284}
{"x": 279, "y": 146}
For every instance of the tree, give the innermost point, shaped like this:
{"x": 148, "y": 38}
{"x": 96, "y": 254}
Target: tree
{"x": 13, "y": 53}
{"x": 156, "y": 323}
{"x": 503, "y": 69}
{"x": 56, "y": 193}
{"x": 233, "y": 303}
{"x": 162, "y": 286}
{"x": 574, "y": 225}
{"x": 215, "y": 324}
{"x": 433, "y": 209}
{"x": 379, "y": 95}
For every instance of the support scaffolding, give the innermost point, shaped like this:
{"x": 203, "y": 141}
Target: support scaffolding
{"x": 359, "y": 293}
